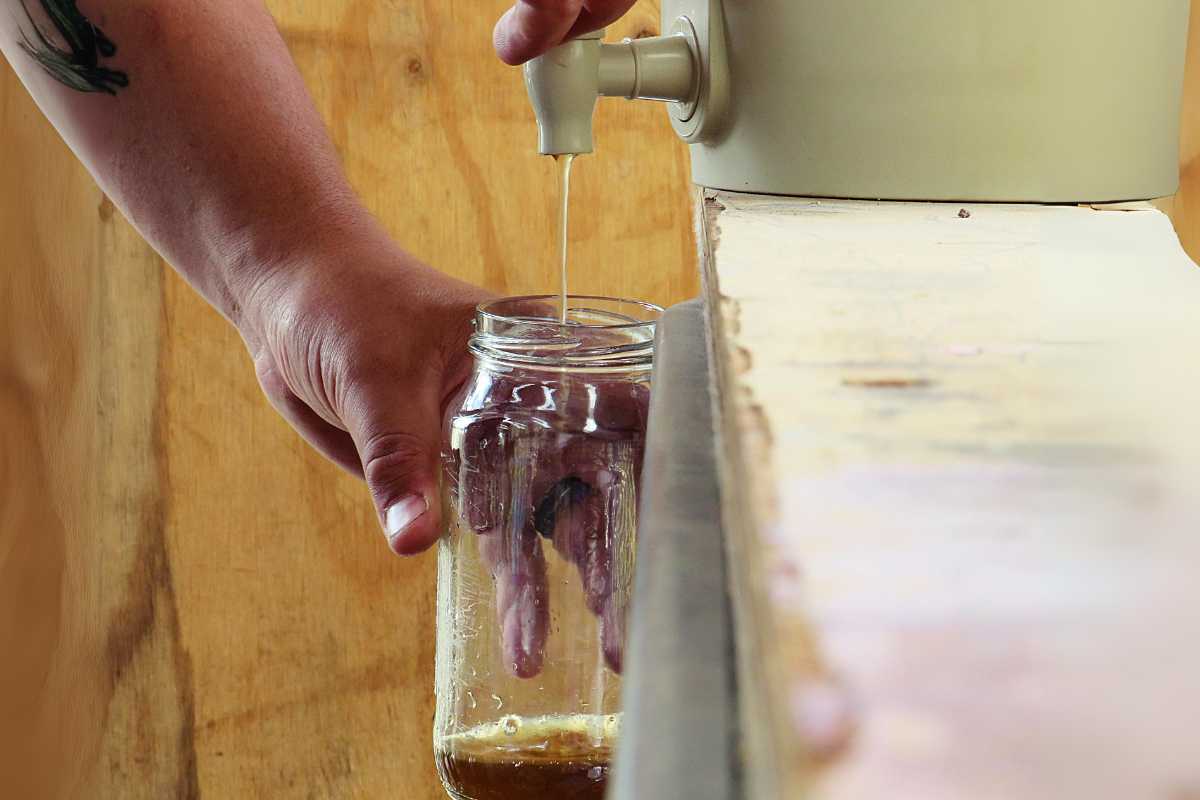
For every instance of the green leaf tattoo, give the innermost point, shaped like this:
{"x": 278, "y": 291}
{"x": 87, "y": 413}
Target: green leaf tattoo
{"x": 76, "y": 61}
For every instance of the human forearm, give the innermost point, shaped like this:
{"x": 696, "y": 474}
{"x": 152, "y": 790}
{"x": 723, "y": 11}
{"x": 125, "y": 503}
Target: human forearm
{"x": 193, "y": 118}
{"x": 198, "y": 127}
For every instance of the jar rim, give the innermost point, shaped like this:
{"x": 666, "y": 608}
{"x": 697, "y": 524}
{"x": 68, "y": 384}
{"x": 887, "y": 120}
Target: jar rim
{"x": 603, "y": 334}
{"x": 487, "y": 310}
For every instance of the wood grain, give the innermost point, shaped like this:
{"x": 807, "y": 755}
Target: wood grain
{"x": 193, "y": 604}
{"x": 1184, "y": 207}
{"x": 958, "y": 469}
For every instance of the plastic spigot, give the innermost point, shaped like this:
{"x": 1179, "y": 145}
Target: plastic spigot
{"x": 565, "y": 83}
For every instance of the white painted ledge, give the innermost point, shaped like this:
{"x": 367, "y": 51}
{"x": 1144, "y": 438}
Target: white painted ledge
{"x": 961, "y": 471}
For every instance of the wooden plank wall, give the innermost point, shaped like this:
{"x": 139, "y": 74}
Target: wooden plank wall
{"x": 192, "y": 603}
{"x": 1184, "y": 208}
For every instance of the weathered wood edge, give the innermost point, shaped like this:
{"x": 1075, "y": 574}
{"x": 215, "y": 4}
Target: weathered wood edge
{"x": 764, "y": 734}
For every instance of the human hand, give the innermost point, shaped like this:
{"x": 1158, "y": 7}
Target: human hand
{"x": 531, "y": 27}
{"x": 359, "y": 346}
{"x": 519, "y": 476}
{"x": 362, "y": 349}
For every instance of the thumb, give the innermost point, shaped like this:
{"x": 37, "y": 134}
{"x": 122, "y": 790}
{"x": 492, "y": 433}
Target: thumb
{"x": 398, "y": 439}
{"x": 531, "y": 27}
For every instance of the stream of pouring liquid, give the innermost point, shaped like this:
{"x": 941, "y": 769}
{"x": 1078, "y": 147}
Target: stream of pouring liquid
{"x": 564, "y": 177}
{"x": 564, "y": 161}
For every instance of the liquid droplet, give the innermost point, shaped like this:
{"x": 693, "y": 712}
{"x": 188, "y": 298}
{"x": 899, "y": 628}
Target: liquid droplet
{"x": 511, "y": 726}
{"x": 596, "y": 773}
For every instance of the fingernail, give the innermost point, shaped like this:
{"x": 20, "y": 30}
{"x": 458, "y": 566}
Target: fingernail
{"x": 400, "y": 516}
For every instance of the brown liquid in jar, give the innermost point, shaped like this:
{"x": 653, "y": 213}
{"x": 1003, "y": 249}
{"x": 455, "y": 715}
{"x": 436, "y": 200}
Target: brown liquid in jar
{"x": 544, "y": 763}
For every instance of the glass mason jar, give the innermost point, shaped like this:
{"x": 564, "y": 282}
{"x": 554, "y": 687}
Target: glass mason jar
{"x": 541, "y": 462}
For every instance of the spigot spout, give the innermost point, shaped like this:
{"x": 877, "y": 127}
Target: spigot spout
{"x": 563, "y": 87}
{"x": 565, "y": 83}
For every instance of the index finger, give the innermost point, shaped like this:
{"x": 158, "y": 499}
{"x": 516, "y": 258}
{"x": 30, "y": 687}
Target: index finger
{"x": 531, "y": 27}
